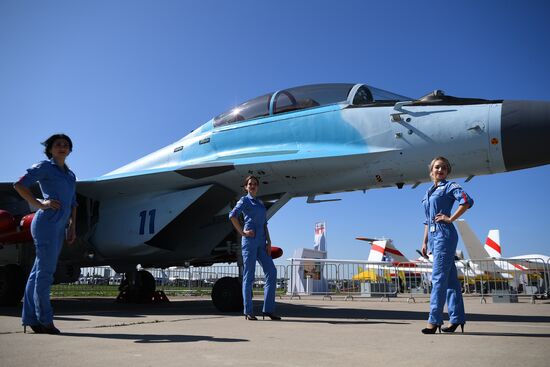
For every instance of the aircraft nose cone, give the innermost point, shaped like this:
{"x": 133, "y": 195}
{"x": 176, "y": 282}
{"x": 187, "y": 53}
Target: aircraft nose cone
{"x": 525, "y": 132}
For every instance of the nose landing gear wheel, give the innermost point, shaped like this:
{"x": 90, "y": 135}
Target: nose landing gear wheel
{"x": 137, "y": 287}
{"x": 12, "y": 285}
{"x": 227, "y": 295}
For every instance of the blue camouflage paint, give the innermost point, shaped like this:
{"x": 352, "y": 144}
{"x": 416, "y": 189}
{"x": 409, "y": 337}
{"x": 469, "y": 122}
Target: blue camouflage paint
{"x": 321, "y": 131}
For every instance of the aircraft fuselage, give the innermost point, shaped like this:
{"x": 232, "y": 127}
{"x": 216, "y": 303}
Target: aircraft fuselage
{"x": 170, "y": 207}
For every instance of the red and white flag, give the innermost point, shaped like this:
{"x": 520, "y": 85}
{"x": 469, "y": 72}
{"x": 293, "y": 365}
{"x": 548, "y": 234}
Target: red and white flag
{"x": 320, "y": 243}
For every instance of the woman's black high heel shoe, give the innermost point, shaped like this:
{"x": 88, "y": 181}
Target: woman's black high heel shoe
{"x": 36, "y": 328}
{"x": 250, "y": 317}
{"x": 49, "y": 329}
{"x": 432, "y": 330}
{"x": 452, "y": 328}
{"x": 271, "y": 316}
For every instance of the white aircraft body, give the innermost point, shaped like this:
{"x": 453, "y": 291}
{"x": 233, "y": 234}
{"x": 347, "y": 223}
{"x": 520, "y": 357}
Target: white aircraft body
{"x": 492, "y": 249}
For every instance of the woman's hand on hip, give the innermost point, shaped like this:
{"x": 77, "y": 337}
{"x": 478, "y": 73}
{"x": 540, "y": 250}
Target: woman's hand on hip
{"x": 442, "y": 218}
{"x": 50, "y": 204}
{"x": 249, "y": 233}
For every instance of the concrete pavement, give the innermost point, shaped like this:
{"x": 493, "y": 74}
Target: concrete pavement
{"x": 314, "y": 332}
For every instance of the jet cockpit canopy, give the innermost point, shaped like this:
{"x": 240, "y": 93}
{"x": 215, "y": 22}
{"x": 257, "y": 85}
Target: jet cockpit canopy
{"x": 305, "y": 97}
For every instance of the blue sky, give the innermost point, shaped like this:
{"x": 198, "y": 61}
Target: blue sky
{"x": 125, "y": 78}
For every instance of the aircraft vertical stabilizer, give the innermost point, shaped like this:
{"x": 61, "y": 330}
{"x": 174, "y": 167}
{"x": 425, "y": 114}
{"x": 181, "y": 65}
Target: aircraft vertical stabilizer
{"x": 472, "y": 243}
{"x": 377, "y": 250}
{"x": 492, "y": 244}
{"x": 395, "y": 254}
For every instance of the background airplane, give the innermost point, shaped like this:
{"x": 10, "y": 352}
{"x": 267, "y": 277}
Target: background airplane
{"x": 493, "y": 249}
{"x": 412, "y": 273}
{"x": 170, "y": 207}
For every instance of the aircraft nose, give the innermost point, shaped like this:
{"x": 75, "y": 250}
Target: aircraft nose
{"x": 525, "y": 133}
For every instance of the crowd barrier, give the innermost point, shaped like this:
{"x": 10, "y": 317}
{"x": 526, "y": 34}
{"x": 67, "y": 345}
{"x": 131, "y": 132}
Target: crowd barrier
{"x": 502, "y": 279}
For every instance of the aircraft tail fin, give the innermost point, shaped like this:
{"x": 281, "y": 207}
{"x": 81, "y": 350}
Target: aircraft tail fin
{"x": 395, "y": 254}
{"x": 472, "y": 243}
{"x": 377, "y": 250}
{"x": 492, "y": 244}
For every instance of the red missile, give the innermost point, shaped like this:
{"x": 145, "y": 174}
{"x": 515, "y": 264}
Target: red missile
{"x": 7, "y": 222}
{"x": 276, "y": 252}
{"x": 10, "y": 233}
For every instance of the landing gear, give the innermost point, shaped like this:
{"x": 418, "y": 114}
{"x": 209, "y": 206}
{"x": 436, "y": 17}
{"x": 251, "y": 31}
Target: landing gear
{"x": 227, "y": 295}
{"x": 139, "y": 287}
{"x": 12, "y": 285}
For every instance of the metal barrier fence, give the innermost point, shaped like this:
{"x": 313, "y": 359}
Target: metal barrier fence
{"x": 507, "y": 279}
{"x": 349, "y": 279}
{"x": 503, "y": 279}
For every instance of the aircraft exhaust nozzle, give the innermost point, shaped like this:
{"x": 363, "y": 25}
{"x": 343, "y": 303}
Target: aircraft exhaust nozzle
{"x": 525, "y": 132}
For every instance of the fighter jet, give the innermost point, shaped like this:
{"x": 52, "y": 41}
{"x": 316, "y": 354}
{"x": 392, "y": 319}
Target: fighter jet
{"x": 170, "y": 207}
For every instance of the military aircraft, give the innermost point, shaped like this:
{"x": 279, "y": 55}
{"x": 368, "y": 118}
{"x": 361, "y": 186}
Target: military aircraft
{"x": 170, "y": 207}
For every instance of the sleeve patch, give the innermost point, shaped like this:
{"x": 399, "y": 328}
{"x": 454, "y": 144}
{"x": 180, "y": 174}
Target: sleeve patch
{"x": 453, "y": 186}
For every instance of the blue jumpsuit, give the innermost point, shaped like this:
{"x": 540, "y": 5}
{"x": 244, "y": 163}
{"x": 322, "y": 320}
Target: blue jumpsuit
{"x": 442, "y": 242}
{"x": 48, "y": 233}
{"x": 254, "y": 248}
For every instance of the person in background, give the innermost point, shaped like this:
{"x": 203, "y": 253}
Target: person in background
{"x": 56, "y": 211}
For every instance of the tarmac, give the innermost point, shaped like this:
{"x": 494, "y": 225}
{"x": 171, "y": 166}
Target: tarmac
{"x": 189, "y": 331}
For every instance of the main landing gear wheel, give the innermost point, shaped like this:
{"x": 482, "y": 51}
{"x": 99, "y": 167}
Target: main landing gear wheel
{"x": 137, "y": 287}
{"x": 227, "y": 295}
{"x": 12, "y": 285}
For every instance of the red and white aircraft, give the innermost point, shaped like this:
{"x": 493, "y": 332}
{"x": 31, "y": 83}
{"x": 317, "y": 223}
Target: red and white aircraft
{"x": 493, "y": 250}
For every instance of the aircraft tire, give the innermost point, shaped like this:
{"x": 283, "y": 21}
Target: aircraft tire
{"x": 148, "y": 285}
{"x": 143, "y": 291}
{"x": 227, "y": 295}
{"x": 12, "y": 285}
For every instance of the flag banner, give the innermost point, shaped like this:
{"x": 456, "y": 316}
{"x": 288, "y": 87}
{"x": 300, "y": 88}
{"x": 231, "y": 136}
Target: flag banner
{"x": 320, "y": 243}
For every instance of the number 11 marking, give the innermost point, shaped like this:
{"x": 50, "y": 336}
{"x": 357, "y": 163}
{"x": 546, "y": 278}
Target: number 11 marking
{"x": 143, "y": 216}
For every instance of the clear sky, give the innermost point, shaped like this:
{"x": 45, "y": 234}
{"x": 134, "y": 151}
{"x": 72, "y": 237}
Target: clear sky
{"x": 125, "y": 78}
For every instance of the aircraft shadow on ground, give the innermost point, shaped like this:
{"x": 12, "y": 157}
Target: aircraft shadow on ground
{"x": 304, "y": 311}
{"x": 156, "y": 338}
{"x": 75, "y": 309}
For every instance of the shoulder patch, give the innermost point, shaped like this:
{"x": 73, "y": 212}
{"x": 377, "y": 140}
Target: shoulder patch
{"x": 453, "y": 186}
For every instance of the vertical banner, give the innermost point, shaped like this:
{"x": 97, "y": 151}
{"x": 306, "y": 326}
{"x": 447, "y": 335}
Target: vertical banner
{"x": 320, "y": 243}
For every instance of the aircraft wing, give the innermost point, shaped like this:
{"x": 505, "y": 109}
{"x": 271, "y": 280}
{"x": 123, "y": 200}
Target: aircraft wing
{"x": 221, "y": 170}
{"x": 151, "y": 180}
{"x": 529, "y": 262}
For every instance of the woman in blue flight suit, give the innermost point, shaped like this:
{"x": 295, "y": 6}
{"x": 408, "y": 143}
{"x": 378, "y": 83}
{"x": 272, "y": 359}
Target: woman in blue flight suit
{"x": 256, "y": 245}
{"x": 441, "y": 235}
{"x": 49, "y": 228}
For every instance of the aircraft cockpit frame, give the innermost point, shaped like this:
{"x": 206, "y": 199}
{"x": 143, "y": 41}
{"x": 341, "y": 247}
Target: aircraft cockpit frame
{"x": 306, "y": 97}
